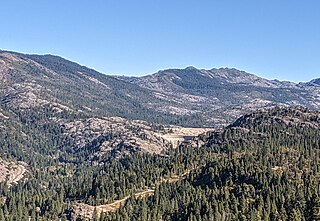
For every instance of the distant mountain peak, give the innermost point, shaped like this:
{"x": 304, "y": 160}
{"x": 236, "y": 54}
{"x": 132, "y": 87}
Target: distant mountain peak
{"x": 191, "y": 68}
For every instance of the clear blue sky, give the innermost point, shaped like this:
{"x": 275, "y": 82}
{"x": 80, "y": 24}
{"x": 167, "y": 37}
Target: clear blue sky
{"x": 271, "y": 38}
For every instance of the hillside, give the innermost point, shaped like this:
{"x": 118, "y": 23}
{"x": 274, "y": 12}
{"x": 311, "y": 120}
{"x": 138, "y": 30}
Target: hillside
{"x": 31, "y": 81}
{"x": 264, "y": 166}
{"x": 258, "y": 166}
{"x": 58, "y": 85}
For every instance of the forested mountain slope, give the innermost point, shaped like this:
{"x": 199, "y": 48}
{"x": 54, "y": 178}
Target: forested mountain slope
{"x": 51, "y": 82}
{"x": 264, "y": 166}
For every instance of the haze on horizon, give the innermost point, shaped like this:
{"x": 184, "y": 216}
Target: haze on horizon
{"x": 272, "y": 39}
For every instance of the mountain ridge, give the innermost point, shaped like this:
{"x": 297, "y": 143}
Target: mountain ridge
{"x": 190, "y": 67}
{"x": 227, "y": 90}
{"x": 189, "y": 97}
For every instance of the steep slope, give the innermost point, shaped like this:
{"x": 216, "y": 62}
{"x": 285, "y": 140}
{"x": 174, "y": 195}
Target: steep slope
{"x": 42, "y": 81}
{"x": 223, "y": 94}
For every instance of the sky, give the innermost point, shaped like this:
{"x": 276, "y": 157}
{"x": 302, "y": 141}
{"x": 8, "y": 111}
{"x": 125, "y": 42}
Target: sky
{"x": 275, "y": 39}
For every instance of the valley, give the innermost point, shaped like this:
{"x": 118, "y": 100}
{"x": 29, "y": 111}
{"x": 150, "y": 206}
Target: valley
{"x": 177, "y": 135}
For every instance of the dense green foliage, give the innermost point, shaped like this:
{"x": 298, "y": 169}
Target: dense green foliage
{"x": 263, "y": 167}
{"x": 269, "y": 172}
